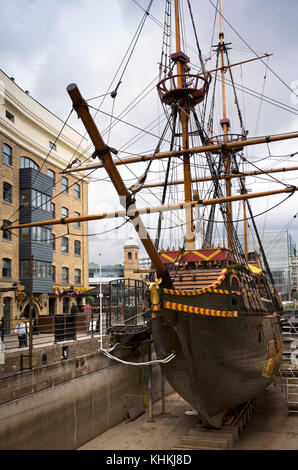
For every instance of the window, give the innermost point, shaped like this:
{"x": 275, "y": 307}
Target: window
{"x": 7, "y": 233}
{"x": 41, "y": 200}
{"x": 28, "y": 163}
{"x": 64, "y": 247}
{"x": 77, "y": 191}
{"x": 42, "y": 270}
{"x": 129, "y": 255}
{"x": 7, "y": 154}
{"x": 9, "y": 116}
{"x": 7, "y": 192}
{"x": 65, "y": 306}
{"x": 52, "y": 175}
{"x": 24, "y": 197}
{"x": 77, "y": 276}
{"x": 64, "y": 185}
{"x": 65, "y": 274}
{"x": 6, "y": 268}
{"x": 64, "y": 212}
{"x": 25, "y": 268}
{"x": 25, "y": 233}
{"x": 53, "y": 273}
{"x": 77, "y": 224}
{"x": 77, "y": 248}
{"x": 52, "y": 146}
{"x": 42, "y": 235}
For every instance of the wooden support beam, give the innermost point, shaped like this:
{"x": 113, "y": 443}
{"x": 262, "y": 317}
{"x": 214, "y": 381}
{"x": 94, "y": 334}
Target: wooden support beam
{"x": 205, "y": 148}
{"x": 104, "y": 154}
{"x": 134, "y": 212}
{"x": 221, "y": 177}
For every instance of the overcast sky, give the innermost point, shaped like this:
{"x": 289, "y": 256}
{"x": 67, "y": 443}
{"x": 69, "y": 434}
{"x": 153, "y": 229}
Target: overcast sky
{"x": 47, "y": 44}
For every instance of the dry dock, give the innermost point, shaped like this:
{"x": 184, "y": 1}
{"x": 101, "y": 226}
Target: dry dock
{"x": 269, "y": 427}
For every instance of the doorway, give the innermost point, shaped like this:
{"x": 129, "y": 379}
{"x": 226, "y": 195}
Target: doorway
{"x": 6, "y": 315}
{"x": 52, "y": 306}
{"x": 26, "y": 311}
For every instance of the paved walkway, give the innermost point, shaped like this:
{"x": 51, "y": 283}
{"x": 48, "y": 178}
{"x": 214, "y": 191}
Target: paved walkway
{"x": 39, "y": 340}
{"x": 270, "y": 428}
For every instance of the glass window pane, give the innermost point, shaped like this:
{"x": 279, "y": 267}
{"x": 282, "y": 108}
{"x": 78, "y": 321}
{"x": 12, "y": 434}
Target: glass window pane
{"x": 7, "y": 192}
{"x": 64, "y": 184}
{"x": 65, "y": 245}
{"x": 28, "y": 163}
{"x": 25, "y": 268}
{"x": 77, "y": 191}
{"x": 25, "y": 233}
{"x": 7, "y": 154}
{"x": 77, "y": 224}
{"x": 25, "y": 196}
{"x": 6, "y": 268}
{"x": 77, "y": 275}
{"x": 7, "y": 233}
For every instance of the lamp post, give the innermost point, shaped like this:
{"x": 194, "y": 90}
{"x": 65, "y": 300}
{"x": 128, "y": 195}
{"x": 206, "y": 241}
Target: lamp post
{"x": 100, "y": 300}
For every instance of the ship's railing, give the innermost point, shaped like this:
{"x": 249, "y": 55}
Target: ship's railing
{"x": 226, "y": 139}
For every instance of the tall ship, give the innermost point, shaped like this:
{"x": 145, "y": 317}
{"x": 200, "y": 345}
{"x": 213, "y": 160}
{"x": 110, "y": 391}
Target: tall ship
{"x": 214, "y": 305}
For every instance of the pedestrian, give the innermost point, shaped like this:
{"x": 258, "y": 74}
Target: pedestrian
{"x": 2, "y": 330}
{"x": 21, "y": 331}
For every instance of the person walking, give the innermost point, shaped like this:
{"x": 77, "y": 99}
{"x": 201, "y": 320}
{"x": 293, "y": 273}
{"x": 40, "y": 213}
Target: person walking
{"x": 21, "y": 331}
{"x": 2, "y": 330}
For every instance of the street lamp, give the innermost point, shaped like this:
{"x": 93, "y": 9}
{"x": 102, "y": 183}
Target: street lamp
{"x": 100, "y": 300}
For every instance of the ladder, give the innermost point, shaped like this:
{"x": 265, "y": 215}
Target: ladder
{"x": 289, "y": 367}
{"x": 292, "y": 392}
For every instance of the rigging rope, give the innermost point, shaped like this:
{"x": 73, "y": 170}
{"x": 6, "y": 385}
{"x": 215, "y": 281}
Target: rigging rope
{"x": 252, "y": 50}
{"x": 148, "y": 363}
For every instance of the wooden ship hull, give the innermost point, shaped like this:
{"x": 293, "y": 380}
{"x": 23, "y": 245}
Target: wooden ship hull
{"x": 227, "y": 338}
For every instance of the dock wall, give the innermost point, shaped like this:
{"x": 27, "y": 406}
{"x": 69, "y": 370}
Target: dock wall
{"x": 65, "y": 404}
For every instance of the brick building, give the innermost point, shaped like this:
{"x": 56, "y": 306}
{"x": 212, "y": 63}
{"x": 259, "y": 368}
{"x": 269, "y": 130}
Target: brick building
{"x": 33, "y": 189}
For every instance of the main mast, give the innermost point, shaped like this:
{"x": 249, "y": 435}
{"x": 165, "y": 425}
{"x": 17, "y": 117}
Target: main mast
{"x": 181, "y": 60}
{"x": 225, "y": 123}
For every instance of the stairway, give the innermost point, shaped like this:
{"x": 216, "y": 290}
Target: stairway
{"x": 200, "y": 438}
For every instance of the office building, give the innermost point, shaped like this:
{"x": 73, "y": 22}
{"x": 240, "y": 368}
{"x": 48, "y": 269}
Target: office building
{"x": 33, "y": 189}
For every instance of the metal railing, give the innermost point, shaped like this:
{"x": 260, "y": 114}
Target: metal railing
{"x": 47, "y": 330}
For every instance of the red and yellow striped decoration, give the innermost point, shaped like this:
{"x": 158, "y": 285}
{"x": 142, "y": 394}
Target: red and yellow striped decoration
{"x": 200, "y": 311}
{"x": 195, "y": 292}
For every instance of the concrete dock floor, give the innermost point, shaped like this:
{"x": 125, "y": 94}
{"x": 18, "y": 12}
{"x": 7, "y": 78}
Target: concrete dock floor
{"x": 270, "y": 427}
